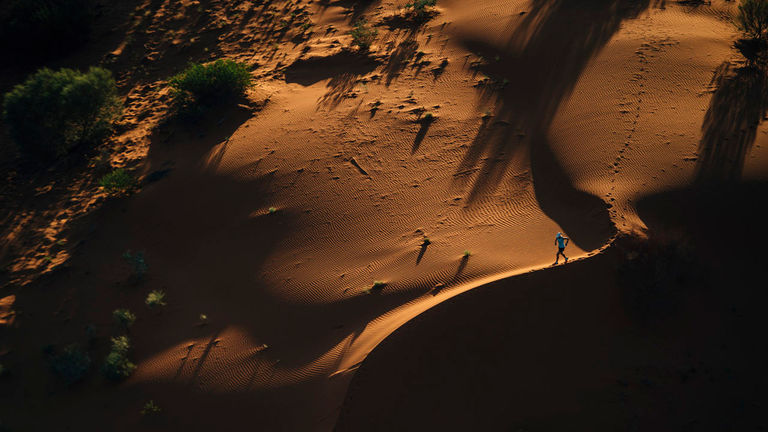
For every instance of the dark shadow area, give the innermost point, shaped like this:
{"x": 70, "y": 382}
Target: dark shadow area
{"x": 355, "y": 8}
{"x": 422, "y": 251}
{"x": 408, "y": 19}
{"x": 587, "y": 346}
{"x": 207, "y": 238}
{"x": 462, "y": 265}
{"x": 311, "y": 70}
{"x": 424, "y": 125}
{"x": 583, "y": 217}
{"x": 339, "y": 88}
{"x": 439, "y": 70}
{"x": 399, "y": 59}
{"x": 530, "y": 77}
{"x": 739, "y": 104}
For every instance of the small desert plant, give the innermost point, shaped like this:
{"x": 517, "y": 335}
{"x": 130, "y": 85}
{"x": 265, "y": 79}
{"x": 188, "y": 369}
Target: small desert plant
{"x": 363, "y": 35}
{"x": 272, "y": 210}
{"x": 117, "y": 367}
{"x": 150, "y": 408}
{"x": 118, "y": 181}
{"x": 155, "y": 298}
{"x": 209, "y": 83}
{"x": 378, "y": 285}
{"x": 52, "y": 112}
{"x": 426, "y": 241}
{"x": 420, "y": 6}
{"x": 137, "y": 262}
{"x": 752, "y": 18}
{"x": 467, "y": 254}
{"x": 123, "y": 317}
{"x": 121, "y": 344}
{"x": 71, "y": 364}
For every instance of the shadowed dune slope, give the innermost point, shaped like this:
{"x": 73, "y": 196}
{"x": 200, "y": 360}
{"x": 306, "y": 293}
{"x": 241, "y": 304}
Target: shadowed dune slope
{"x": 582, "y": 348}
{"x": 410, "y": 196}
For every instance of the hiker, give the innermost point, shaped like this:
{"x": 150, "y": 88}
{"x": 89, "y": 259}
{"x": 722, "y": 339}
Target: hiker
{"x": 562, "y": 242}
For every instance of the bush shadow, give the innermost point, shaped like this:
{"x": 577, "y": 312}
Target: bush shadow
{"x": 531, "y": 75}
{"x": 738, "y": 106}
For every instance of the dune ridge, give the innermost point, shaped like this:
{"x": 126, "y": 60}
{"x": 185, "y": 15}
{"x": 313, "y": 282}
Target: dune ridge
{"x": 276, "y": 217}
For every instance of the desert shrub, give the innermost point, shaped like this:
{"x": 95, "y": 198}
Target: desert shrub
{"x": 420, "y": 6}
{"x": 155, "y": 298}
{"x": 363, "y": 35}
{"x": 137, "y": 262}
{"x": 754, "y": 50}
{"x": 150, "y": 408}
{"x": 123, "y": 317}
{"x": 752, "y": 18}
{"x": 71, "y": 364}
{"x": 32, "y": 29}
{"x": 121, "y": 344}
{"x": 117, "y": 367}
{"x": 52, "y": 112}
{"x": 118, "y": 181}
{"x": 209, "y": 83}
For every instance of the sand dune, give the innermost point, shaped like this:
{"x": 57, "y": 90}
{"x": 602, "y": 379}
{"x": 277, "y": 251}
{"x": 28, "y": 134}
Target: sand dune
{"x": 546, "y": 116}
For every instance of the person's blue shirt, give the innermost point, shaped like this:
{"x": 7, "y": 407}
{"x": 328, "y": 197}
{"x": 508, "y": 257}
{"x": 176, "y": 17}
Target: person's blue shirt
{"x": 560, "y": 241}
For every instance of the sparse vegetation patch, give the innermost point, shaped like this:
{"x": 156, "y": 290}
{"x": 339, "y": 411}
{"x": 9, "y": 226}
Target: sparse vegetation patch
{"x": 123, "y": 318}
{"x": 150, "y": 409}
{"x": 53, "y": 112}
{"x": 117, "y": 367}
{"x": 71, "y": 365}
{"x": 208, "y": 84}
{"x": 752, "y": 21}
{"x": 117, "y": 182}
{"x": 752, "y": 18}
{"x": 137, "y": 262}
{"x": 155, "y": 298}
{"x": 363, "y": 35}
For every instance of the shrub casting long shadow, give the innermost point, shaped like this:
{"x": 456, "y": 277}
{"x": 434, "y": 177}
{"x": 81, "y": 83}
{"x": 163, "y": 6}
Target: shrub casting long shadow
{"x": 737, "y": 107}
{"x": 531, "y": 75}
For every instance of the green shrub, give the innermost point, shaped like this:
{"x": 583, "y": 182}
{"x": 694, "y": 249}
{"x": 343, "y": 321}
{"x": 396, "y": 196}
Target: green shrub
{"x": 123, "y": 317}
{"x": 363, "y": 35}
{"x": 117, "y": 367}
{"x": 209, "y": 83}
{"x": 752, "y": 18}
{"x": 150, "y": 408}
{"x": 420, "y": 6}
{"x": 32, "y": 29}
{"x": 137, "y": 262}
{"x": 155, "y": 298}
{"x": 121, "y": 344}
{"x": 118, "y": 181}
{"x": 52, "y": 112}
{"x": 71, "y": 365}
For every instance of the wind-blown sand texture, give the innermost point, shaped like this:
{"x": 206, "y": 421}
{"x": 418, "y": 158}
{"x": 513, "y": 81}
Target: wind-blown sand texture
{"x": 597, "y": 118}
